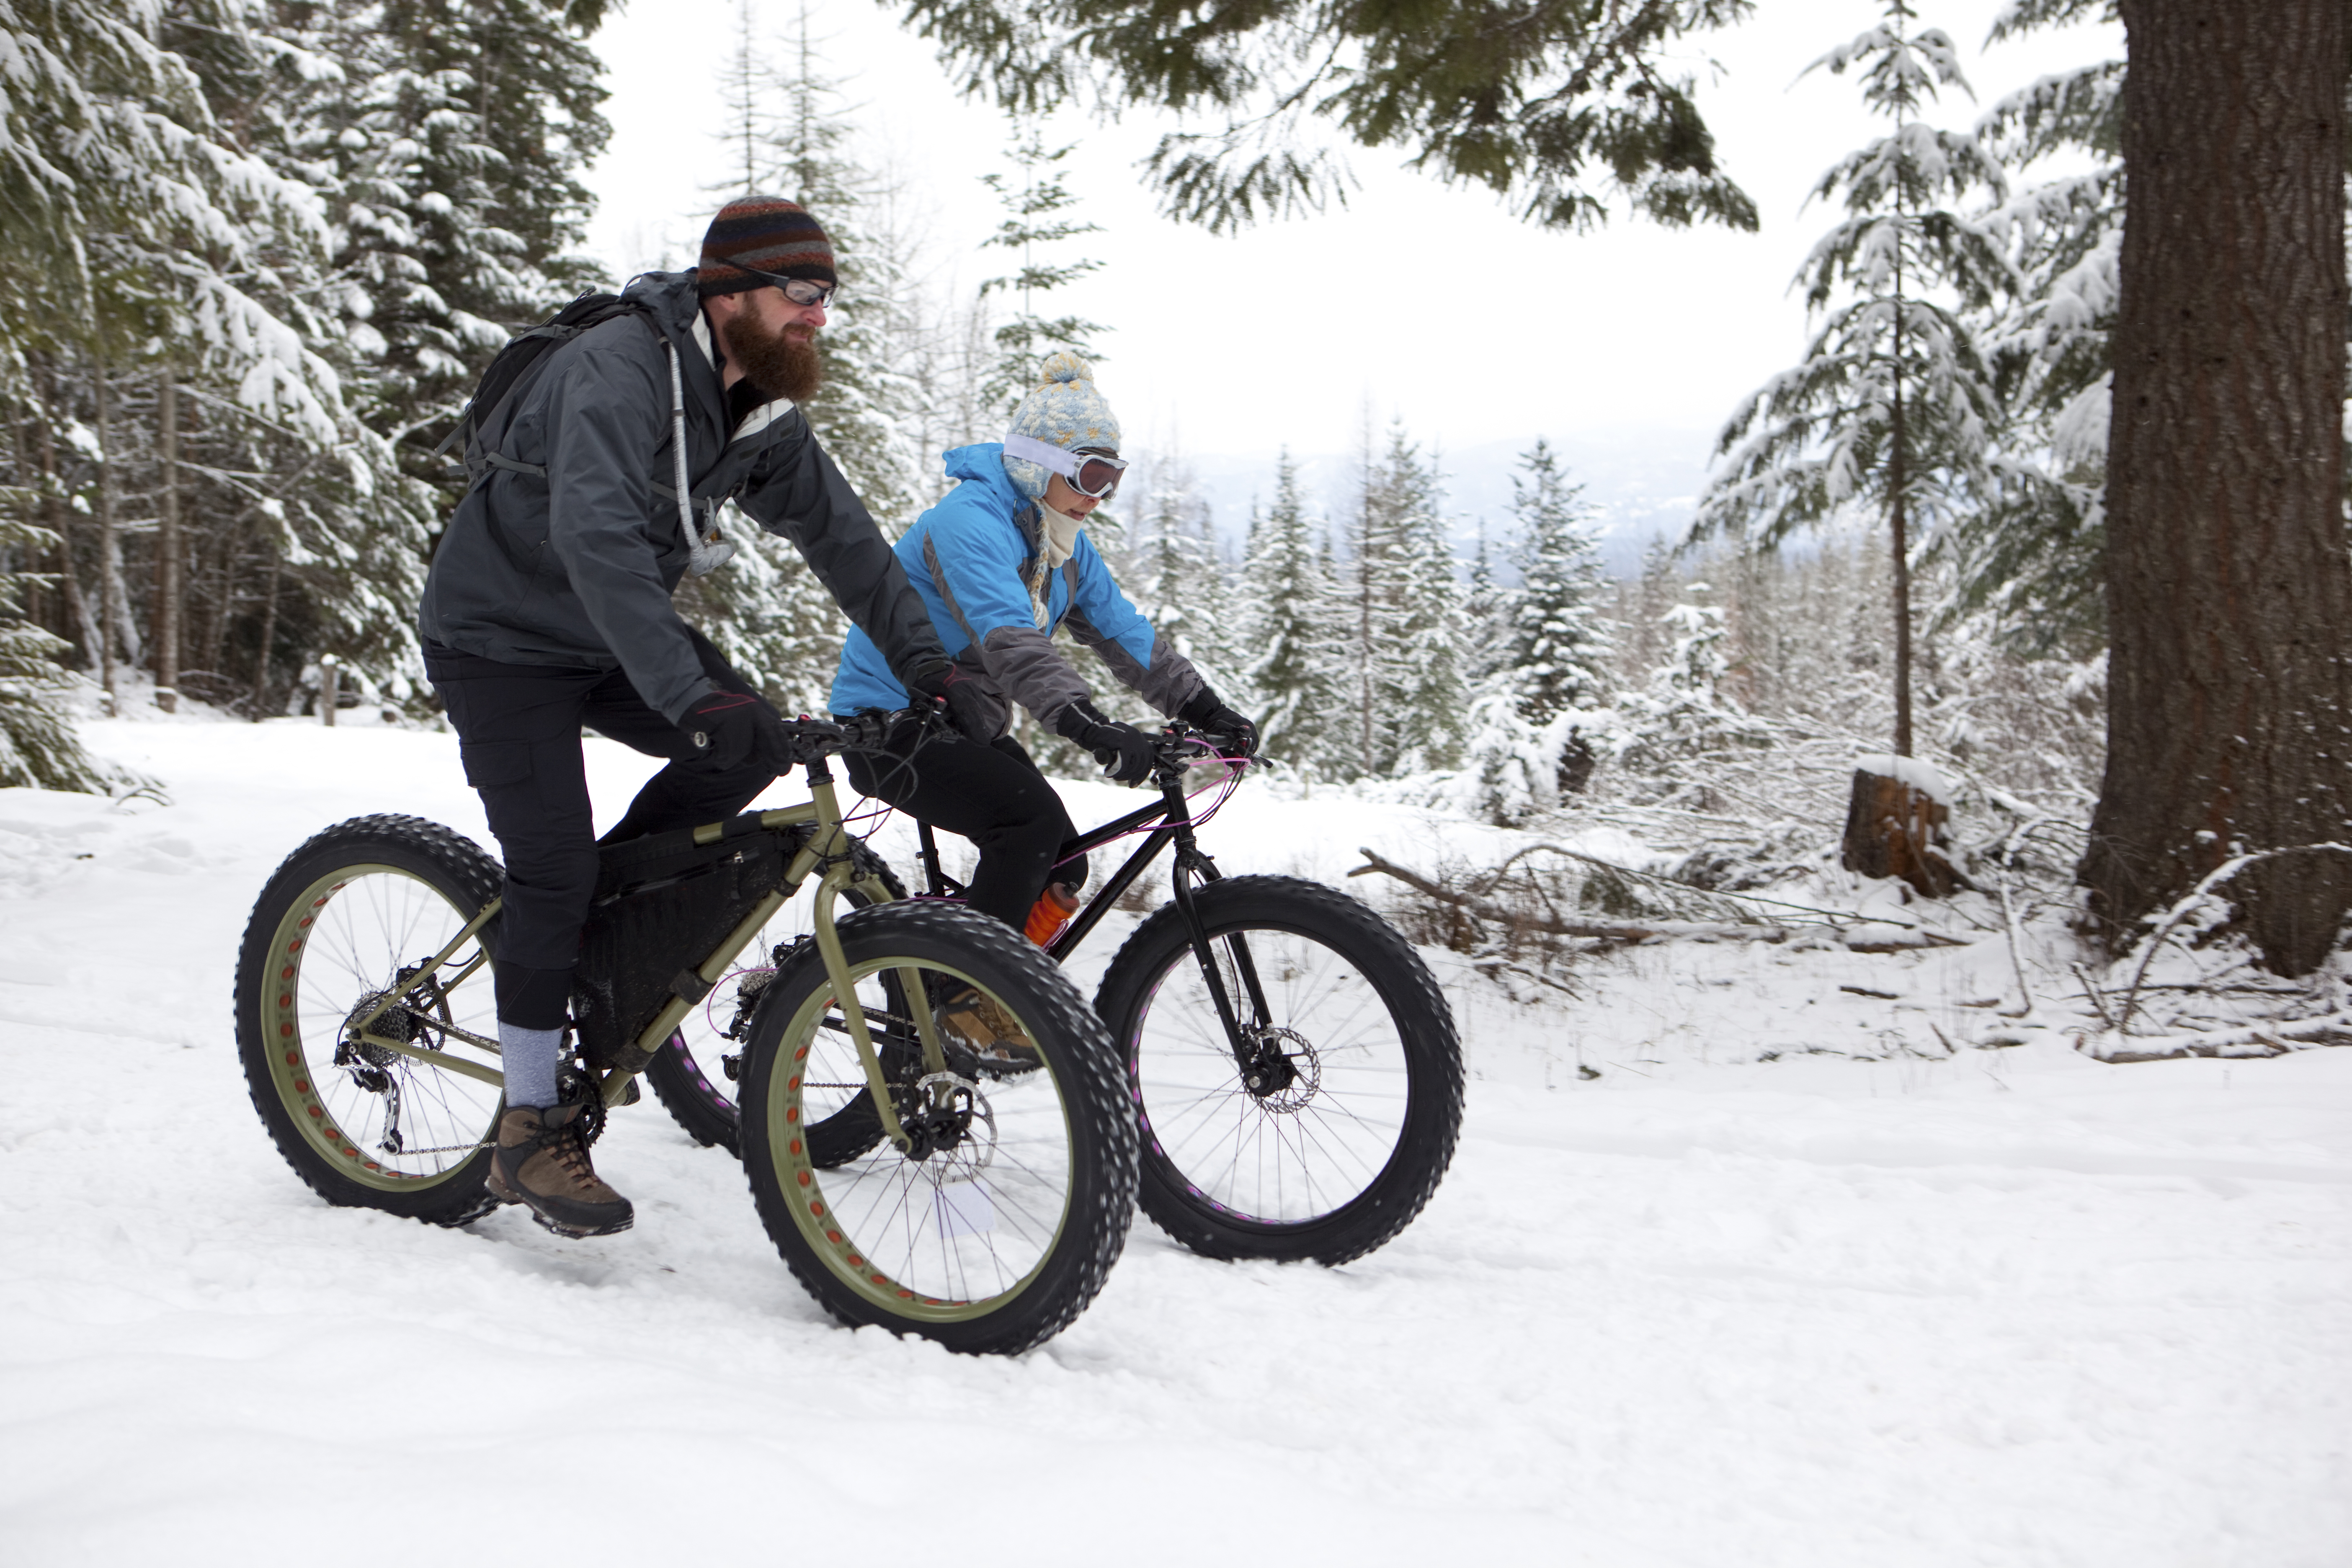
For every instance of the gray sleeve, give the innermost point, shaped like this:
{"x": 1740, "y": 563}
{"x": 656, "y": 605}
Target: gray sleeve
{"x": 607, "y": 416}
{"x": 1168, "y": 683}
{"x": 797, "y": 492}
{"x": 1021, "y": 662}
{"x": 1025, "y": 665}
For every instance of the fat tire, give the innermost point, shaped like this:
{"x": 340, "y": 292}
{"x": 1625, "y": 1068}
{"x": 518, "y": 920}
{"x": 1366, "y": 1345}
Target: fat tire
{"x": 455, "y": 866}
{"x": 1417, "y": 1008}
{"x": 1101, "y": 1205}
{"x": 707, "y": 1110}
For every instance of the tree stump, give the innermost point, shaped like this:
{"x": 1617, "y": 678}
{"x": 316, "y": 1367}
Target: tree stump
{"x": 1895, "y": 822}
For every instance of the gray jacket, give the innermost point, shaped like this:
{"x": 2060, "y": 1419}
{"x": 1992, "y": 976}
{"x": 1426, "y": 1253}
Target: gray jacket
{"x": 574, "y": 566}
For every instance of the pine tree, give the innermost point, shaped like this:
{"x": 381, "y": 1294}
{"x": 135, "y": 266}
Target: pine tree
{"x": 1483, "y": 616}
{"x": 1424, "y": 693}
{"x": 1556, "y": 646}
{"x": 1287, "y": 606}
{"x": 1035, "y": 203}
{"x": 2028, "y": 558}
{"x": 1893, "y": 406}
{"x": 38, "y": 749}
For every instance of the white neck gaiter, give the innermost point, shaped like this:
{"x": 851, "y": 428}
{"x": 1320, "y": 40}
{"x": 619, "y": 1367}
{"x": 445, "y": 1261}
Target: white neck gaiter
{"x": 1061, "y": 535}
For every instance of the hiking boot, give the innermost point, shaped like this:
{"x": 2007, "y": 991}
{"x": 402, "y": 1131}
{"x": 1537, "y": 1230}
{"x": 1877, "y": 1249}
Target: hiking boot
{"x": 989, "y": 1033}
{"x": 541, "y": 1162}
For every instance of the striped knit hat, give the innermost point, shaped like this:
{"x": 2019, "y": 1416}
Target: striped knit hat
{"x": 766, "y": 232}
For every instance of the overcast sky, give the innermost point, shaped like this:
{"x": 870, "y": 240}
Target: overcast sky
{"x": 1417, "y": 300}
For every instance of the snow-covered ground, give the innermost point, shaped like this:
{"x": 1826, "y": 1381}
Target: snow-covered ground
{"x": 2007, "y": 1307}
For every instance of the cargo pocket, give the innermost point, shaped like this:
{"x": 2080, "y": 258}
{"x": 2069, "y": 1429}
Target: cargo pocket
{"x": 490, "y": 763}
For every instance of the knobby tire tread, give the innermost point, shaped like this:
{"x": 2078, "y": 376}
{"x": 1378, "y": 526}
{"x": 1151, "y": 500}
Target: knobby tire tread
{"x": 1433, "y": 1055}
{"x": 1087, "y": 1072}
{"x": 459, "y": 1197}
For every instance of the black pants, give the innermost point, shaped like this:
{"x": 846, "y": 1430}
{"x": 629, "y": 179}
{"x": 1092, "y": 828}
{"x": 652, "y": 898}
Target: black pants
{"x": 518, "y": 735}
{"x": 992, "y": 794}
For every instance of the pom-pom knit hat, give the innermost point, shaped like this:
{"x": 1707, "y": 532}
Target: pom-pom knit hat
{"x": 1063, "y": 411}
{"x": 766, "y": 232}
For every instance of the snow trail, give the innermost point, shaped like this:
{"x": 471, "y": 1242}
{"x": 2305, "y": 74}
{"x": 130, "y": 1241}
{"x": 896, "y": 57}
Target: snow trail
{"x": 2013, "y": 1308}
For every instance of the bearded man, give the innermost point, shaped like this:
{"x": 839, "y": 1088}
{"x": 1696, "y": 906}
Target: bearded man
{"x": 547, "y": 608}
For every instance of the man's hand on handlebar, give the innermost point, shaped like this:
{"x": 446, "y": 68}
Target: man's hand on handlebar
{"x": 727, "y": 729}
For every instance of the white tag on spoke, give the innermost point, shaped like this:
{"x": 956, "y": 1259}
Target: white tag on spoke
{"x": 963, "y": 1208}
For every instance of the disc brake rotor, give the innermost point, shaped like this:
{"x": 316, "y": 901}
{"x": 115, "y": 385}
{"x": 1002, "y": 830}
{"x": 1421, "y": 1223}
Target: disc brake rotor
{"x": 1285, "y": 1072}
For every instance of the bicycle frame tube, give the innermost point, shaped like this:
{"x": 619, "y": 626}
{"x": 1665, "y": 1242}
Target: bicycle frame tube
{"x": 839, "y": 873}
{"x": 433, "y": 967}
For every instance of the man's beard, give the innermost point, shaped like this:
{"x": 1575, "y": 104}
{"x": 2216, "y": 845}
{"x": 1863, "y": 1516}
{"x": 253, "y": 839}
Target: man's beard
{"x": 779, "y": 362}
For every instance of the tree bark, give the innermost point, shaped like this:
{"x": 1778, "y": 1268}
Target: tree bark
{"x": 109, "y": 550}
{"x": 2229, "y": 587}
{"x": 167, "y": 549}
{"x": 60, "y": 517}
{"x": 268, "y": 635}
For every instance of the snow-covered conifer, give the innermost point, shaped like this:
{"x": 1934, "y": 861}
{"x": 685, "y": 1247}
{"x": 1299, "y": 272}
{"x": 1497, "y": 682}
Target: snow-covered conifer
{"x": 1287, "y": 603}
{"x": 1425, "y": 687}
{"x": 1893, "y": 406}
{"x": 1037, "y": 207}
{"x": 1556, "y": 644}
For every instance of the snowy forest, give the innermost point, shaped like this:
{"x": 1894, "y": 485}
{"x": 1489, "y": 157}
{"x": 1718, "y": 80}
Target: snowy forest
{"x": 1891, "y": 947}
{"x": 261, "y": 252}
{"x": 221, "y": 477}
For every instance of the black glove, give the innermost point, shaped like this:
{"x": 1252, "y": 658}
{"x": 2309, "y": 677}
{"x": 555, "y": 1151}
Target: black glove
{"x": 946, "y": 683}
{"x": 727, "y": 729}
{"x": 1125, "y": 751}
{"x": 1234, "y": 734}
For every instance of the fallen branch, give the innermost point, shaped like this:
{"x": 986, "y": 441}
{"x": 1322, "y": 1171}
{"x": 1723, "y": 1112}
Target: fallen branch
{"x": 1645, "y": 931}
{"x": 2196, "y": 896}
{"x": 2269, "y": 1038}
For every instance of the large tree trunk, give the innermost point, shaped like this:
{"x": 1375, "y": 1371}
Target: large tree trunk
{"x": 2229, "y": 588}
{"x": 167, "y": 548}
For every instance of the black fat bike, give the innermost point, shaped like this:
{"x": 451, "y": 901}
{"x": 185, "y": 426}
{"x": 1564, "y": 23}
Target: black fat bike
{"x": 978, "y": 1205}
{"x": 1293, "y": 1068}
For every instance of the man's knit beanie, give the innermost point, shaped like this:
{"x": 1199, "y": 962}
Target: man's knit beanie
{"x": 766, "y": 232}
{"x": 1064, "y": 411}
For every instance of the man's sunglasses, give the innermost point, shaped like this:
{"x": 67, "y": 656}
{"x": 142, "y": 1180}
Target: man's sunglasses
{"x": 799, "y": 290}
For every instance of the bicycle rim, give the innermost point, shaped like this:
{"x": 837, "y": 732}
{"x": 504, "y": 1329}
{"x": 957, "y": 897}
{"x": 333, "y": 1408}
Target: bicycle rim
{"x": 950, "y": 1236}
{"x": 1305, "y": 1150}
{"x": 384, "y": 1119}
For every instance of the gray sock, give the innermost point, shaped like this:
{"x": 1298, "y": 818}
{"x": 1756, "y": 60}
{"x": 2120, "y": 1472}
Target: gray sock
{"x": 529, "y": 1057}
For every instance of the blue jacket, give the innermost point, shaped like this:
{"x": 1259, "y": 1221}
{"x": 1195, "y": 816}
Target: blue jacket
{"x": 971, "y": 558}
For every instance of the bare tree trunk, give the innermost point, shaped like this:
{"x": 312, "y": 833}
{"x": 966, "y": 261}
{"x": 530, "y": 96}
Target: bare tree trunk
{"x": 1898, "y": 526}
{"x": 109, "y": 551}
{"x": 269, "y": 632}
{"x": 19, "y": 467}
{"x": 167, "y": 549}
{"x": 2229, "y": 589}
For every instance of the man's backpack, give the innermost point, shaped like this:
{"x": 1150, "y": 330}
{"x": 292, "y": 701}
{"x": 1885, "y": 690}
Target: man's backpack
{"x": 526, "y": 351}
{"x": 514, "y": 366}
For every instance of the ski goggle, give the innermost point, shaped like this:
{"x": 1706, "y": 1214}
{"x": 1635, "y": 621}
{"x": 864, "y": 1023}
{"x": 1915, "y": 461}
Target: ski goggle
{"x": 801, "y": 291}
{"x": 1094, "y": 475}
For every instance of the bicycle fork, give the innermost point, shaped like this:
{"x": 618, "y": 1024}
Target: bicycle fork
{"x": 1262, "y": 1073}
{"x": 831, "y": 847}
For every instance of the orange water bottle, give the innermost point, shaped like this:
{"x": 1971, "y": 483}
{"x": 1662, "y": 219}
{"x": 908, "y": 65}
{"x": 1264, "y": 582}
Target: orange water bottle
{"x": 1051, "y": 912}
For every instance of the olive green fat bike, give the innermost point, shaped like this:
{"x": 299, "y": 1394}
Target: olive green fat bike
{"x": 906, "y": 1182}
{"x": 1290, "y": 1063}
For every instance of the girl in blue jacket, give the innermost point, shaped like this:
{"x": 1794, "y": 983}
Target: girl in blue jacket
{"x": 1000, "y": 562}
